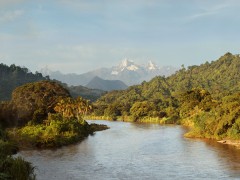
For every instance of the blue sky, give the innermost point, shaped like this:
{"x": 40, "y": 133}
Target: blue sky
{"x": 82, "y": 35}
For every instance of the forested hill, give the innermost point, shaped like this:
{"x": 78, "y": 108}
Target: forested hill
{"x": 220, "y": 78}
{"x": 106, "y": 85}
{"x": 13, "y": 76}
{"x": 159, "y": 97}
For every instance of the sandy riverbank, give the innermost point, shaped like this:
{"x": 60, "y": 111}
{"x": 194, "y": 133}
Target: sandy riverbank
{"x": 235, "y": 143}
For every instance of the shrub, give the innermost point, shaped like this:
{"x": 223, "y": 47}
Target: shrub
{"x": 16, "y": 168}
{"x": 57, "y": 131}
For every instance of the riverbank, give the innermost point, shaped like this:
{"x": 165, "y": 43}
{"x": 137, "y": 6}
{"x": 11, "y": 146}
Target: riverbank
{"x": 52, "y": 135}
{"x": 155, "y": 120}
{"x": 137, "y": 151}
{"x": 235, "y": 143}
{"x": 13, "y": 167}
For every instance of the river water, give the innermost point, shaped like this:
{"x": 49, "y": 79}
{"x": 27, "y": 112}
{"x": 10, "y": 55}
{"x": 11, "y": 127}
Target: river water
{"x": 137, "y": 151}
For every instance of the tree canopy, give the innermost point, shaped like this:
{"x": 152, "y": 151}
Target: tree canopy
{"x": 13, "y": 76}
{"x": 33, "y": 101}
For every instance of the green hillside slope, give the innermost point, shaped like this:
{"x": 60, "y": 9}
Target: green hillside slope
{"x": 205, "y": 97}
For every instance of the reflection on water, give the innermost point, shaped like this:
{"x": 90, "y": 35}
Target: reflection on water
{"x": 227, "y": 153}
{"x": 138, "y": 151}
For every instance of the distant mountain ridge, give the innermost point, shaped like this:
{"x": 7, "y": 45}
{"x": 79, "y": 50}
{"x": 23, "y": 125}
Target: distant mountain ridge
{"x": 87, "y": 93}
{"x": 127, "y": 71}
{"x": 106, "y": 85}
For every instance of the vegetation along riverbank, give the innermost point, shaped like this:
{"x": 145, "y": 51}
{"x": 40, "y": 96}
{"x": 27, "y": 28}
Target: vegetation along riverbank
{"x": 40, "y": 115}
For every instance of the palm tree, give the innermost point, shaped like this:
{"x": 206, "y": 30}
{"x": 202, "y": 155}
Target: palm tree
{"x": 73, "y": 108}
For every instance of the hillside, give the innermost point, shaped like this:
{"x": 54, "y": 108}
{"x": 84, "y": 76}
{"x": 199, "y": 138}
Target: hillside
{"x": 205, "y": 97}
{"x": 154, "y": 95}
{"x": 106, "y": 85}
{"x": 220, "y": 77}
{"x": 86, "y": 93}
{"x": 14, "y": 76}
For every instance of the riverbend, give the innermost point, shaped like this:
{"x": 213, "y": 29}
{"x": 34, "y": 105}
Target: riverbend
{"x": 137, "y": 151}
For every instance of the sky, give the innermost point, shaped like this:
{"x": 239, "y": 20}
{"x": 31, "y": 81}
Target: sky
{"x": 77, "y": 36}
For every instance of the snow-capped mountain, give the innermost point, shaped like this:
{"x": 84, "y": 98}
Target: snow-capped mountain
{"x": 125, "y": 65}
{"x": 127, "y": 71}
{"x": 132, "y": 73}
{"x": 152, "y": 66}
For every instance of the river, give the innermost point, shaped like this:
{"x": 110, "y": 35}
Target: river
{"x": 137, "y": 151}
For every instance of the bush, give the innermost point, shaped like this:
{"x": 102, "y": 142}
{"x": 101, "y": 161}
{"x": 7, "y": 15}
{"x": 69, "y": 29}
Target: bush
{"x": 36, "y": 100}
{"x": 16, "y": 168}
{"x": 57, "y": 131}
{"x": 234, "y": 131}
{"x": 13, "y": 168}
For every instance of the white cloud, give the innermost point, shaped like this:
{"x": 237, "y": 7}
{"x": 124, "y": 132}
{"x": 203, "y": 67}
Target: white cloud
{"x": 207, "y": 9}
{"x": 83, "y": 5}
{"x": 8, "y": 16}
{"x": 80, "y": 58}
{"x": 4, "y": 3}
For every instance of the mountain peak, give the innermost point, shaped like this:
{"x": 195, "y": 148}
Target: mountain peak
{"x": 127, "y": 64}
{"x": 152, "y": 66}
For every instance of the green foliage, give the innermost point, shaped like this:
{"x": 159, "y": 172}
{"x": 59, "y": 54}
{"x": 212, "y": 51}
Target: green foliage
{"x": 7, "y": 114}
{"x": 189, "y": 100}
{"x": 53, "y": 118}
{"x": 86, "y": 93}
{"x": 56, "y": 132}
{"x": 7, "y": 148}
{"x": 222, "y": 121}
{"x": 36, "y": 100}
{"x": 141, "y": 109}
{"x": 205, "y": 97}
{"x": 112, "y": 111}
{"x": 12, "y": 168}
{"x": 71, "y": 108}
{"x": 234, "y": 131}
{"x": 155, "y": 94}
{"x": 38, "y": 116}
{"x": 14, "y": 76}
{"x": 220, "y": 77}
{"x": 16, "y": 168}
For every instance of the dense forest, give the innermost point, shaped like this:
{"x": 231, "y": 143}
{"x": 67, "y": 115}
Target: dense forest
{"x": 13, "y": 76}
{"x": 205, "y": 97}
{"x": 90, "y": 94}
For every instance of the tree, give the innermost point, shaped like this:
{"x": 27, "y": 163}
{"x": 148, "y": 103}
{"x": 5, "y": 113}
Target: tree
{"x": 36, "y": 99}
{"x": 141, "y": 109}
{"x": 73, "y": 108}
